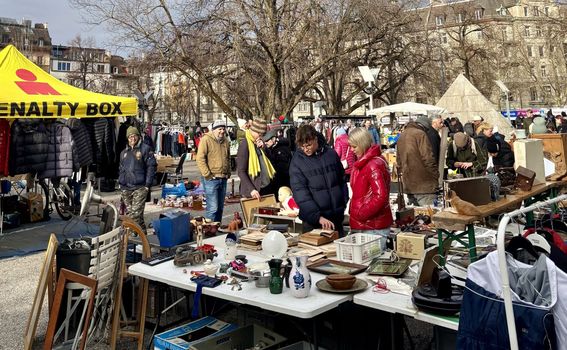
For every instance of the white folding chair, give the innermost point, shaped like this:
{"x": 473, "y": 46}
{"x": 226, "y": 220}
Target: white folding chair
{"x": 106, "y": 252}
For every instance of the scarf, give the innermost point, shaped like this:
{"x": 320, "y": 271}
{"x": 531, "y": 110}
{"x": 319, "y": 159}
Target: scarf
{"x": 254, "y": 162}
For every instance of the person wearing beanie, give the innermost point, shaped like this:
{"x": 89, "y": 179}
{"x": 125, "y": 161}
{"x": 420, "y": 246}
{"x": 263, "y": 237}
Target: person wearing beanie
{"x": 416, "y": 159}
{"x": 253, "y": 167}
{"x": 317, "y": 182}
{"x": 465, "y": 155}
{"x": 136, "y": 174}
{"x": 472, "y": 126}
{"x": 501, "y": 152}
{"x": 213, "y": 161}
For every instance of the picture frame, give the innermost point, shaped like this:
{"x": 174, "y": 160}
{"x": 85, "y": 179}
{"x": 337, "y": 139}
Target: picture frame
{"x": 249, "y": 204}
{"x": 388, "y": 268}
{"x": 330, "y": 266}
{"x": 42, "y": 285}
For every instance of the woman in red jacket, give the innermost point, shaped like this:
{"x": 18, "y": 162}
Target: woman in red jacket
{"x": 370, "y": 181}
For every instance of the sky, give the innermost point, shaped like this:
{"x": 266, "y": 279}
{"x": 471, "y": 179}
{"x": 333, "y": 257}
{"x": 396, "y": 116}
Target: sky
{"x": 63, "y": 22}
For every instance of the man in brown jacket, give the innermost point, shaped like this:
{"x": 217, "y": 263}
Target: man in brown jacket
{"x": 213, "y": 161}
{"x": 420, "y": 171}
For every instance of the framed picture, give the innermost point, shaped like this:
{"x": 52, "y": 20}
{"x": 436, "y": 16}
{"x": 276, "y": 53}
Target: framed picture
{"x": 328, "y": 267}
{"x": 388, "y": 268}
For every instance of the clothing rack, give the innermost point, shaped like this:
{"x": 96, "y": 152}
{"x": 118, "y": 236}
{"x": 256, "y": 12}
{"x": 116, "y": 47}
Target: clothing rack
{"x": 506, "y": 293}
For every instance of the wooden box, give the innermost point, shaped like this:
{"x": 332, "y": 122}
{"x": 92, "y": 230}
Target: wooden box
{"x": 410, "y": 245}
{"x": 475, "y": 190}
{"x": 270, "y": 210}
{"x": 555, "y": 149}
{"x": 524, "y": 178}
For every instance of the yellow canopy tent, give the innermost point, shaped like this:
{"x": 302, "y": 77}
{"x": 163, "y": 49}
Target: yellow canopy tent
{"x": 28, "y": 91}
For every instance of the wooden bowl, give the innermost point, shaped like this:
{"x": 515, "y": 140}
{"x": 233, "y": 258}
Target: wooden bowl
{"x": 341, "y": 281}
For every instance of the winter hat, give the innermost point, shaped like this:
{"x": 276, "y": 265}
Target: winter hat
{"x": 259, "y": 126}
{"x": 477, "y": 118}
{"x": 341, "y": 131}
{"x": 423, "y": 120}
{"x": 219, "y": 123}
{"x": 269, "y": 135}
{"x": 461, "y": 139}
{"x": 241, "y": 122}
{"x": 132, "y": 130}
{"x": 492, "y": 145}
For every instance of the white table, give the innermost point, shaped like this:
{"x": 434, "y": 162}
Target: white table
{"x": 315, "y": 304}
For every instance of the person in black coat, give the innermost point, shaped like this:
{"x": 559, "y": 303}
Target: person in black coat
{"x": 317, "y": 182}
{"x": 279, "y": 153}
{"x": 501, "y": 152}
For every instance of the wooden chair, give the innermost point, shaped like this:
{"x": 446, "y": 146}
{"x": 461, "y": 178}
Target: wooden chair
{"x": 66, "y": 276}
{"x": 131, "y": 228}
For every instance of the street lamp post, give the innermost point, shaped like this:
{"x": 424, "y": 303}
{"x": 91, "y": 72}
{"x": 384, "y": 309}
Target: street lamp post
{"x": 369, "y": 76}
{"x": 506, "y": 92}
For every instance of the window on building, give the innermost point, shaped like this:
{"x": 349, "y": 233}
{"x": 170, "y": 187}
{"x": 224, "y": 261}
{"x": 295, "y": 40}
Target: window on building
{"x": 526, "y": 13}
{"x": 40, "y": 43}
{"x": 100, "y": 68}
{"x": 533, "y": 93}
{"x": 538, "y": 32}
{"x": 532, "y": 71}
{"x": 530, "y": 53}
{"x": 543, "y": 70}
{"x": 547, "y": 89}
{"x": 64, "y": 66}
{"x": 478, "y": 13}
{"x": 115, "y": 70}
{"x": 460, "y": 18}
{"x": 546, "y": 11}
{"x": 479, "y": 34}
{"x": 39, "y": 60}
{"x": 552, "y": 49}
{"x": 527, "y": 31}
{"x": 535, "y": 11}
{"x": 439, "y": 20}
{"x": 540, "y": 51}
{"x": 444, "y": 38}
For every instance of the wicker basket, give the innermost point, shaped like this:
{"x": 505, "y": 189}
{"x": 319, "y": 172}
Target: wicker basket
{"x": 359, "y": 248}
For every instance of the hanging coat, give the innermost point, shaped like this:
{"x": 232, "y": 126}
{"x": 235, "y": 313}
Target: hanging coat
{"x": 59, "y": 161}
{"x": 540, "y": 308}
{"x": 28, "y": 147}
{"x": 82, "y": 146}
{"x": 4, "y": 147}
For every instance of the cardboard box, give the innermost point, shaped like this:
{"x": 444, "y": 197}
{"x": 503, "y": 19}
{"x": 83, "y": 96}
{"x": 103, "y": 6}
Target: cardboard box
{"x": 35, "y": 205}
{"x": 410, "y": 245}
{"x": 187, "y": 335}
{"x": 529, "y": 154}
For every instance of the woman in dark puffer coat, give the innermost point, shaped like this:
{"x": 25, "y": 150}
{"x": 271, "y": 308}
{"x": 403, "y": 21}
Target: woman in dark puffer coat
{"x": 317, "y": 182}
{"x": 370, "y": 181}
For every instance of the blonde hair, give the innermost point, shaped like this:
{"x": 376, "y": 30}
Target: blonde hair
{"x": 361, "y": 138}
{"x": 483, "y": 126}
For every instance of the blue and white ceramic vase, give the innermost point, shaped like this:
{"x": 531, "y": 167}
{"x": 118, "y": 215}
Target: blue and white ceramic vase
{"x": 299, "y": 277}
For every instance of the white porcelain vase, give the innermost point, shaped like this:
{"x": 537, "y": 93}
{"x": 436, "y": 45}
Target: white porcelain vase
{"x": 299, "y": 277}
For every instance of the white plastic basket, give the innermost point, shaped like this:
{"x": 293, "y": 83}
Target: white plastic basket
{"x": 359, "y": 248}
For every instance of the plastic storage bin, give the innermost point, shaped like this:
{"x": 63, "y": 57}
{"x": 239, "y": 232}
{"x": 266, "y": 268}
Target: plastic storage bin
{"x": 242, "y": 338}
{"x": 359, "y": 248}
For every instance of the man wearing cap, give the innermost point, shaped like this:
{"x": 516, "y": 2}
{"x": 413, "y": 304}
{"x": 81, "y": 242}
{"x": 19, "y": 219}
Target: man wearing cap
{"x": 279, "y": 153}
{"x": 417, "y": 162}
{"x": 213, "y": 161}
{"x": 465, "y": 155}
{"x": 136, "y": 174}
{"x": 470, "y": 127}
{"x": 252, "y": 165}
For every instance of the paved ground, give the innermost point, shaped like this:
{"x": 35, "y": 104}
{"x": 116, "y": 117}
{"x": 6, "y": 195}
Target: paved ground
{"x": 19, "y": 276}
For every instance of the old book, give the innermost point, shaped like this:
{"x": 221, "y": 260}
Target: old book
{"x": 318, "y": 237}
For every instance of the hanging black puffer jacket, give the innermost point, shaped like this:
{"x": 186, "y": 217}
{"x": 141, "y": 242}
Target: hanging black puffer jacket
{"x": 82, "y": 146}
{"x": 28, "y": 147}
{"x": 101, "y": 132}
{"x": 60, "y": 154}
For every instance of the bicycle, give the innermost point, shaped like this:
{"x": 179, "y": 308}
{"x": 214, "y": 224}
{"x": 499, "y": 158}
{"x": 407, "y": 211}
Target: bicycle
{"x": 54, "y": 193}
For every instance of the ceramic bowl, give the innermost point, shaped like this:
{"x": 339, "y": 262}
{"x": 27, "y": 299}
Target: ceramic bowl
{"x": 341, "y": 281}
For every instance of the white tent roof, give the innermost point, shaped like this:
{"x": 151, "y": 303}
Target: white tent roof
{"x": 408, "y": 107}
{"x": 465, "y": 101}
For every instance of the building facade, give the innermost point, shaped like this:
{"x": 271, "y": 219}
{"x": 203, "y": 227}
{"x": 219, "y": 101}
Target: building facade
{"x": 33, "y": 41}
